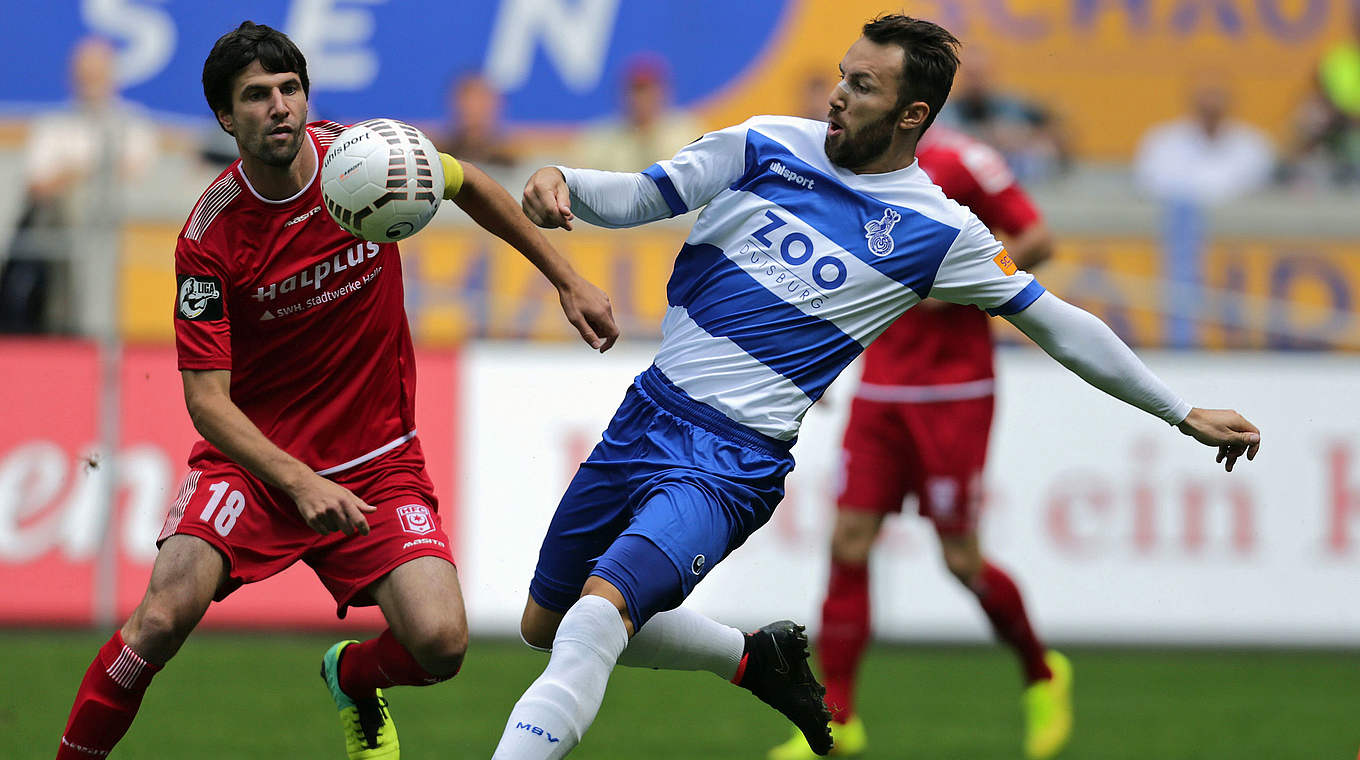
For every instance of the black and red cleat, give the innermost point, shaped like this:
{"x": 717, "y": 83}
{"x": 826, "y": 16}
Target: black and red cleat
{"x": 774, "y": 667}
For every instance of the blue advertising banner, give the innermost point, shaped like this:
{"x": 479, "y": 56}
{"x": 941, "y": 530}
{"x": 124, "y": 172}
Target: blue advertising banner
{"x": 557, "y": 61}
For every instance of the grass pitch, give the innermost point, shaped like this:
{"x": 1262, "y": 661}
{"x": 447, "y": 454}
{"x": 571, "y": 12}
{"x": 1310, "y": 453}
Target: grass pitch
{"x": 258, "y": 696}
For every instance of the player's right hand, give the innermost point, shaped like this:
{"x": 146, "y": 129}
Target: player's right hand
{"x": 588, "y": 309}
{"x": 327, "y": 506}
{"x": 547, "y": 201}
{"x": 1226, "y": 429}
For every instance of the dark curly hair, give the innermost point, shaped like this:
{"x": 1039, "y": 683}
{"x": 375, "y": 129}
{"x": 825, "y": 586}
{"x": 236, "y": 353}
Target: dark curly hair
{"x": 236, "y": 49}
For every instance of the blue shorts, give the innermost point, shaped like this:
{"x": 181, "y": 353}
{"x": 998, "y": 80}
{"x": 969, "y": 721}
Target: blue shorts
{"x": 670, "y": 490}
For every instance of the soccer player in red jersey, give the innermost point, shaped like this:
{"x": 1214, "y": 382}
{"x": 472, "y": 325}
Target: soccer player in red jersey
{"x": 299, "y": 373}
{"x": 919, "y": 425}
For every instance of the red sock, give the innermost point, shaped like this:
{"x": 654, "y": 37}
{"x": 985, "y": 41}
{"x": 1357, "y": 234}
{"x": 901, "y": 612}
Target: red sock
{"x": 106, "y": 702}
{"x": 380, "y": 663}
{"x": 845, "y": 632}
{"x": 1001, "y": 601}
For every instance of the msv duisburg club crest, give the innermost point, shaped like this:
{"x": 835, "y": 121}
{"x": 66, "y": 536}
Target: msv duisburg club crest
{"x": 879, "y": 232}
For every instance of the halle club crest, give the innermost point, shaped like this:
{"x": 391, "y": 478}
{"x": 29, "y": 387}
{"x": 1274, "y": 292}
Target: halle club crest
{"x": 416, "y": 518}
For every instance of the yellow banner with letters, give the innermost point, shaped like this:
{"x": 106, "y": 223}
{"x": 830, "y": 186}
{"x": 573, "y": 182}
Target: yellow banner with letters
{"x": 462, "y": 283}
{"x": 1108, "y": 69}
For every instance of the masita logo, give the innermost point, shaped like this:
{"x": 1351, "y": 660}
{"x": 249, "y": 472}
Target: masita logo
{"x": 200, "y": 297}
{"x": 301, "y": 217}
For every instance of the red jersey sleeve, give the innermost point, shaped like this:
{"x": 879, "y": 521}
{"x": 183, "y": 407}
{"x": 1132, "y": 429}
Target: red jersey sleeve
{"x": 202, "y": 318}
{"x": 995, "y": 197}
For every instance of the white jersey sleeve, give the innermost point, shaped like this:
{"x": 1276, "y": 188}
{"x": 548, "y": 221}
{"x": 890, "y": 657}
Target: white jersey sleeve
{"x": 701, "y": 169}
{"x": 613, "y": 199}
{"x": 1088, "y": 347}
{"x": 977, "y": 271}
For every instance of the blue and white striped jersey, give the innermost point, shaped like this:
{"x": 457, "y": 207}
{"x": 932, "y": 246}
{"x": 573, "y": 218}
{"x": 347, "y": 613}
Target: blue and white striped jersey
{"x": 795, "y": 265}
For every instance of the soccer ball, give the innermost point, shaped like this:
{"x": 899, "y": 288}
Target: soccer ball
{"x": 381, "y": 180}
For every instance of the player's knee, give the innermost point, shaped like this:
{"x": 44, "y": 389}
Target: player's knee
{"x": 852, "y": 541}
{"x": 536, "y": 636}
{"x": 963, "y": 564}
{"x": 157, "y": 629}
{"x": 440, "y": 649}
{"x": 850, "y": 550}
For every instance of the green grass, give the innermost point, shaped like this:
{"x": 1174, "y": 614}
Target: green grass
{"x": 258, "y": 696}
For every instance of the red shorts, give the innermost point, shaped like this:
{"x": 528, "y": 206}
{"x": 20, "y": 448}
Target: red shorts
{"x": 260, "y": 532}
{"x": 935, "y": 450}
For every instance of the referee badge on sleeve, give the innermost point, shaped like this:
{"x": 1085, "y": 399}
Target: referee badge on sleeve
{"x": 200, "y": 298}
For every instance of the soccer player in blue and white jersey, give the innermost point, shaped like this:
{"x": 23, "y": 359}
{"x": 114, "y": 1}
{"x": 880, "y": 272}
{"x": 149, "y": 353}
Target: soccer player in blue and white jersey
{"x": 814, "y": 237}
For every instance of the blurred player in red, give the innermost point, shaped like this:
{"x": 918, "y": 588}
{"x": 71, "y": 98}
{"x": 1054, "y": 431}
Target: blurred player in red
{"x": 299, "y": 373}
{"x": 919, "y": 425}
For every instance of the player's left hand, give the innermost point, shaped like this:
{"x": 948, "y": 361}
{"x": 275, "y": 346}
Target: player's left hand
{"x": 589, "y": 311}
{"x": 1226, "y": 429}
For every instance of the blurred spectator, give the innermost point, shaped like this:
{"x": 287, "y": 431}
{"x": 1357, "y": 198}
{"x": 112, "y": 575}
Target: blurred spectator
{"x": 1026, "y": 133}
{"x": 61, "y": 270}
{"x": 1326, "y": 145}
{"x": 648, "y": 129}
{"x": 1200, "y": 160}
{"x": 1205, "y": 157}
{"x": 475, "y": 132}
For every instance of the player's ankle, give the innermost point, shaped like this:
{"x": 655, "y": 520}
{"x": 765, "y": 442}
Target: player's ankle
{"x": 347, "y": 685}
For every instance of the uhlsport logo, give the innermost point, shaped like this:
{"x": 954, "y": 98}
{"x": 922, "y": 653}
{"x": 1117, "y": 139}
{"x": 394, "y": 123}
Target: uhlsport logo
{"x": 697, "y": 566}
{"x": 416, "y": 518}
{"x": 335, "y": 153}
{"x": 791, "y": 175}
{"x": 879, "y": 232}
{"x": 200, "y": 297}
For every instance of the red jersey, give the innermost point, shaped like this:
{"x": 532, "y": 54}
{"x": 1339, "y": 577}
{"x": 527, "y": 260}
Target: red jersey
{"x": 309, "y": 319}
{"x": 947, "y": 345}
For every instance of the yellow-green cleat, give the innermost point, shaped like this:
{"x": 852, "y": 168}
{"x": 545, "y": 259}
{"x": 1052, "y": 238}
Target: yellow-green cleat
{"x": 369, "y": 731}
{"x": 847, "y": 740}
{"x": 1048, "y": 710}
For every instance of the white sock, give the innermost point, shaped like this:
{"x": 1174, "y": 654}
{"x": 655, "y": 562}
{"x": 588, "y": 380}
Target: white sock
{"x": 682, "y": 639}
{"x": 555, "y": 711}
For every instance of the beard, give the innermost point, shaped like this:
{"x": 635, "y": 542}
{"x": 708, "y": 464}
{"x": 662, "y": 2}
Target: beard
{"x": 281, "y": 155}
{"x": 853, "y": 149}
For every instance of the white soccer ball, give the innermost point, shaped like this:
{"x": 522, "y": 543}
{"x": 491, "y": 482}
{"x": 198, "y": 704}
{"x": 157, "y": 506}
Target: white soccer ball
{"x": 381, "y": 180}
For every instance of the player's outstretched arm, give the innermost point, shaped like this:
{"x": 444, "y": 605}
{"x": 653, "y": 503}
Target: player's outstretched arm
{"x": 555, "y": 195}
{"x": 586, "y": 306}
{"x": 1088, "y": 347}
{"x": 325, "y": 506}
